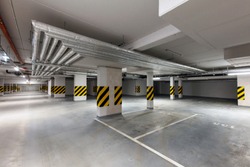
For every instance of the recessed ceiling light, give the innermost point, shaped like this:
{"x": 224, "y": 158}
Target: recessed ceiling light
{"x": 16, "y": 68}
{"x": 239, "y": 73}
{"x": 166, "y": 6}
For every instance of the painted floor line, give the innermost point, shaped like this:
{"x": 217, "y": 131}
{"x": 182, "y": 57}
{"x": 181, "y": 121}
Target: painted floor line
{"x": 141, "y": 144}
{"x": 153, "y": 131}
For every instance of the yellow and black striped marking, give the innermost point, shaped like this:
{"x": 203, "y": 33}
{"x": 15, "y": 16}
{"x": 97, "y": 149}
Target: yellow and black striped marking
{"x": 171, "y": 90}
{"x": 150, "y": 93}
{"x": 180, "y": 90}
{"x": 80, "y": 91}
{"x": 241, "y": 93}
{"x": 137, "y": 89}
{"x": 52, "y": 89}
{"x": 118, "y": 95}
{"x": 59, "y": 89}
{"x": 102, "y": 96}
{"x": 1, "y": 89}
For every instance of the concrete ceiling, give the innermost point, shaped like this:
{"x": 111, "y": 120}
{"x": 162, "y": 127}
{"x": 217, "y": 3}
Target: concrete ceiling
{"x": 206, "y": 27}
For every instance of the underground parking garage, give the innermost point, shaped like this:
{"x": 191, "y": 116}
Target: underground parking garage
{"x": 122, "y": 83}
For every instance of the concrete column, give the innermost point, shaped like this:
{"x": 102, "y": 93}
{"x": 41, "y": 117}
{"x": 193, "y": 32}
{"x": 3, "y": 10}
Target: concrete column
{"x": 243, "y": 90}
{"x": 108, "y": 80}
{"x": 49, "y": 87}
{"x": 1, "y": 87}
{"x": 150, "y": 91}
{"x": 172, "y": 88}
{"x": 80, "y": 87}
{"x": 59, "y": 87}
{"x": 180, "y": 88}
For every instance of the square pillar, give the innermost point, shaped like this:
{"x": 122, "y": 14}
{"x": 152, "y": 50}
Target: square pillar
{"x": 80, "y": 87}
{"x": 109, "y": 91}
{"x": 172, "y": 89}
{"x": 150, "y": 91}
{"x": 59, "y": 87}
{"x": 180, "y": 88}
{"x": 1, "y": 87}
{"x": 49, "y": 87}
{"x": 243, "y": 90}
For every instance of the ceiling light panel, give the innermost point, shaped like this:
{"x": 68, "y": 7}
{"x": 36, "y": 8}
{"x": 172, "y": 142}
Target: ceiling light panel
{"x": 166, "y": 6}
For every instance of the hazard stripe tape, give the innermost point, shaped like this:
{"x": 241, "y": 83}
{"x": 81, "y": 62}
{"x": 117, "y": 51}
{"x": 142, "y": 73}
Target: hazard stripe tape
{"x": 102, "y": 96}
{"x": 1, "y": 89}
{"x": 52, "y": 89}
{"x": 241, "y": 93}
{"x": 171, "y": 90}
{"x": 118, "y": 95}
{"x": 80, "y": 91}
{"x": 180, "y": 90}
{"x": 137, "y": 89}
{"x": 59, "y": 89}
{"x": 150, "y": 93}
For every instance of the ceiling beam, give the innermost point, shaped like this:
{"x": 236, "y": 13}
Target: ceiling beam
{"x": 159, "y": 37}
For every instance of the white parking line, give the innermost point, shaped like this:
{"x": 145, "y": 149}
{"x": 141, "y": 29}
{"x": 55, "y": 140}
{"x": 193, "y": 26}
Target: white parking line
{"x": 153, "y": 131}
{"x": 143, "y": 145}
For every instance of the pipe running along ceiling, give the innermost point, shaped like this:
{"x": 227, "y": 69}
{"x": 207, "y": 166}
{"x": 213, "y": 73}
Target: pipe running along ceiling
{"x": 55, "y": 46}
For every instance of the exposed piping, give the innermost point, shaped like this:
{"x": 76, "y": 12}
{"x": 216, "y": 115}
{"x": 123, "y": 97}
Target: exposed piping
{"x": 66, "y": 56}
{"x": 35, "y": 45}
{"x": 113, "y": 52}
{"x": 7, "y": 36}
{"x": 72, "y": 59}
{"x": 59, "y": 53}
{"x": 51, "y": 49}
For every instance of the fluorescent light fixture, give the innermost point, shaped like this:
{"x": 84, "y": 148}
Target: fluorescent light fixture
{"x": 16, "y": 68}
{"x": 239, "y": 73}
{"x": 156, "y": 78}
{"x": 166, "y": 6}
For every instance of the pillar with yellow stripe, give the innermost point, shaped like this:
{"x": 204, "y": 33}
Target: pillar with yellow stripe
{"x": 172, "y": 89}
{"x": 80, "y": 87}
{"x": 109, "y": 91}
{"x": 59, "y": 87}
{"x": 150, "y": 91}
{"x": 180, "y": 88}
{"x": 1, "y": 87}
{"x": 241, "y": 93}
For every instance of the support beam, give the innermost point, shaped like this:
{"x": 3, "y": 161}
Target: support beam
{"x": 180, "y": 88}
{"x": 150, "y": 91}
{"x": 80, "y": 87}
{"x": 243, "y": 90}
{"x": 1, "y": 87}
{"x": 109, "y": 91}
{"x": 49, "y": 87}
{"x": 172, "y": 89}
{"x": 164, "y": 35}
{"x": 59, "y": 87}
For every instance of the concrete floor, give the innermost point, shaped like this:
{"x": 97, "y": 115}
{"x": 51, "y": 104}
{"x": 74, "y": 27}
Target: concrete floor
{"x": 39, "y": 131}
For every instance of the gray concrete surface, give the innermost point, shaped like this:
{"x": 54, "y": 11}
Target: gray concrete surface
{"x": 36, "y": 130}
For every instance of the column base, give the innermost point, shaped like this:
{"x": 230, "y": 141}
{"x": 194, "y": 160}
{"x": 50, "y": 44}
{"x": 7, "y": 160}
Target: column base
{"x": 172, "y": 97}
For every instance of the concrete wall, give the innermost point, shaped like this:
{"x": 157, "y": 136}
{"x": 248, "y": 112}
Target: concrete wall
{"x": 91, "y": 83}
{"x": 30, "y": 88}
{"x": 209, "y": 88}
{"x": 69, "y": 83}
{"x": 244, "y": 80}
{"x": 128, "y": 87}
